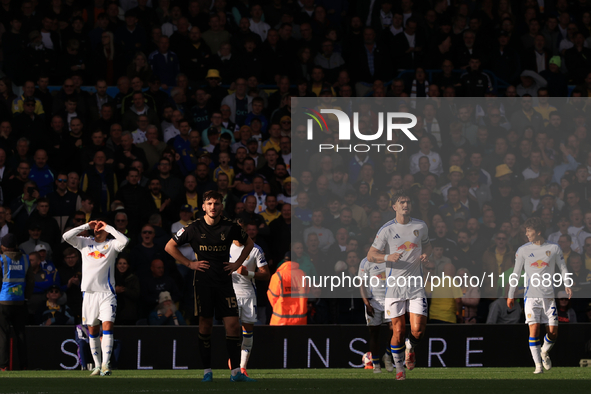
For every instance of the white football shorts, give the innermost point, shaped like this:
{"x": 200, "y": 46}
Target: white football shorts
{"x": 247, "y": 308}
{"x": 379, "y": 317}
{"x": 100, "y": 306}
{"x": 396, "y": 307}
{"x": 541, "y": 310}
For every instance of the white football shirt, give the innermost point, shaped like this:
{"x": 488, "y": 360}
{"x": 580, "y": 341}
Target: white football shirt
{"x": 538, "y": 260}
{"x": 409, "y": 240}
{"x": 98, "y": 259}
{"x": 376, "y": 288}
{"x": 243, "y": 286}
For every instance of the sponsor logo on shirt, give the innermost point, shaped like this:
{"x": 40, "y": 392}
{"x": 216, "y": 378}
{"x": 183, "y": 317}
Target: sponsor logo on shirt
{"x": 407, "y": 246}
{"x": 96, "y": 255}
{"x": 539, "y": 264}
{"x": 180, "y": 232}
{"x": 209, "y": 248}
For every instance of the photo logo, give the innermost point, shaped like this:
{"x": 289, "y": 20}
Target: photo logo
{"x": 345, "y": 129}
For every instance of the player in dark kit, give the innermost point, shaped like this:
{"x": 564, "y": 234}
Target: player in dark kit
{"x": 211, "y": 238}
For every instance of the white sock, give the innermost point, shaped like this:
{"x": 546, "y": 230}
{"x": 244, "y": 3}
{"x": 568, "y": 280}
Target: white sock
{"x": 107, "y": 346}
{"x": 206, "y": 371}
{"x": 95, "y": 346}
{"x": 548, "y": 344}
{"x": 398, "y": 356}
{"x": 235, "y": 371}
{"x": 247, "y": 340}
{"x": 535, "y": 349}
{"x": 408, "y": 344}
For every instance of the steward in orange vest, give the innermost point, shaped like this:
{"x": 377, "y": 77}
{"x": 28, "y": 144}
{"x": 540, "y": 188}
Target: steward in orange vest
{"x": 288, "y": 295}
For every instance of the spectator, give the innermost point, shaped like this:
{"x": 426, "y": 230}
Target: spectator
{"x": 566, "y": 314}
{"x": 52, "y": 313}
{"x": 71, "y": 277}
{"x": 497, "y": 259}
{"x": 166, "y": 313}
{"x": 165, "y": 64}
{"x": 155, "y": 283}
{"x": 127, "y": 287}
{"x": 447, "y": 300}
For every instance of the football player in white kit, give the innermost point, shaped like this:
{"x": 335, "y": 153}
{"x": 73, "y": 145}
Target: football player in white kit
{"x": 254, "y": 267}
{"x": 373, "y": 293}
{"x": 98, "y": 280}
{"x": 539, "y": 257}
{"x": 403, "y": 245}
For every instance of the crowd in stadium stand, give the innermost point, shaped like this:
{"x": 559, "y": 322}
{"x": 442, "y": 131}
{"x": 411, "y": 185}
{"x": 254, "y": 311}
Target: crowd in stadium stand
{"x": 191, "y": 115}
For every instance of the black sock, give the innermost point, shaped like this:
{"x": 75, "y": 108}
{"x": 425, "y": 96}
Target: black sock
{"x": 414, "y": 341}
{"x": 205, "y": 350}
{"x": 234, "y": 345}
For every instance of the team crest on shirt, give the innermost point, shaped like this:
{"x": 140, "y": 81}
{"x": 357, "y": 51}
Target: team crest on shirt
{"x": 548, "y": 253}
{"x": 223, "y": 236}
{"x": 388, "y": 312}
{"x": 180, "y": 232}
{"x": 529, "y": 315}
{"x": 416, "y": 233}
{"x": 105, "y": 247}
{"x": 83, "y": 320}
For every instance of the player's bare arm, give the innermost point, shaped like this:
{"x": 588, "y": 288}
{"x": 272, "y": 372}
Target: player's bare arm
{"x": 172, "y": 249}
{"x": 427, "y": 250}
{"x": 231, "y": 267}
{"x": 262, "y": 273}
{"x": 376, "y": 256}
{"x": 365, "y": 297}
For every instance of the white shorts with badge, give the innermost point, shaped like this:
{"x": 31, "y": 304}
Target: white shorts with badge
{"x": 98, "y": 307}
{"x": 379, "y": 317}
{"x": 247, "y": 308}
{"x": 541, "y": 311}
{"x": 396, "y": 307}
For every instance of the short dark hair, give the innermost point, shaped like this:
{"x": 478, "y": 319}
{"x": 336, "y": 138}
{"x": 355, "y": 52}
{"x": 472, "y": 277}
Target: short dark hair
{"x": 398, "y": 195}
{"x": 536, "y": 224}
{"x": 212, "y": 194}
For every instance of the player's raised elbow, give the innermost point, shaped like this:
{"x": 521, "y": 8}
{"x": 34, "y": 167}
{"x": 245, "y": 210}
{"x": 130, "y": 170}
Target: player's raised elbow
{"x": 170, "y": 246}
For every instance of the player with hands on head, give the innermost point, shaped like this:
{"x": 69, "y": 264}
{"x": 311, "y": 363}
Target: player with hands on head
{"x": 539, "y": 259}
{"x": 99, "y": 303}
{"x": 211, "y": 238}
{"x": 402, "y": 244}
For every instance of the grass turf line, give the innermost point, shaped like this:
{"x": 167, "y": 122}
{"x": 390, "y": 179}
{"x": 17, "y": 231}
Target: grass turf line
{"x": 420, "y": 380}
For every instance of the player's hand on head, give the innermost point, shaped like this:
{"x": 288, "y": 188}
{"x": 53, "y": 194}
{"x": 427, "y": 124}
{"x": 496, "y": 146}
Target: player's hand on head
{"x": 201, "y": 265}
{"x": 100, "y": 226}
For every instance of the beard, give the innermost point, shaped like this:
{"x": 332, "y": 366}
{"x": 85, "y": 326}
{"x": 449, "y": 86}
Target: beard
{"x": 163, "y": 308}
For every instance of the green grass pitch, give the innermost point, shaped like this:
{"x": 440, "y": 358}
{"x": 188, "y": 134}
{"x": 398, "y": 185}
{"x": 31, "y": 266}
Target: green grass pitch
{"x": 421, "y": 380}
